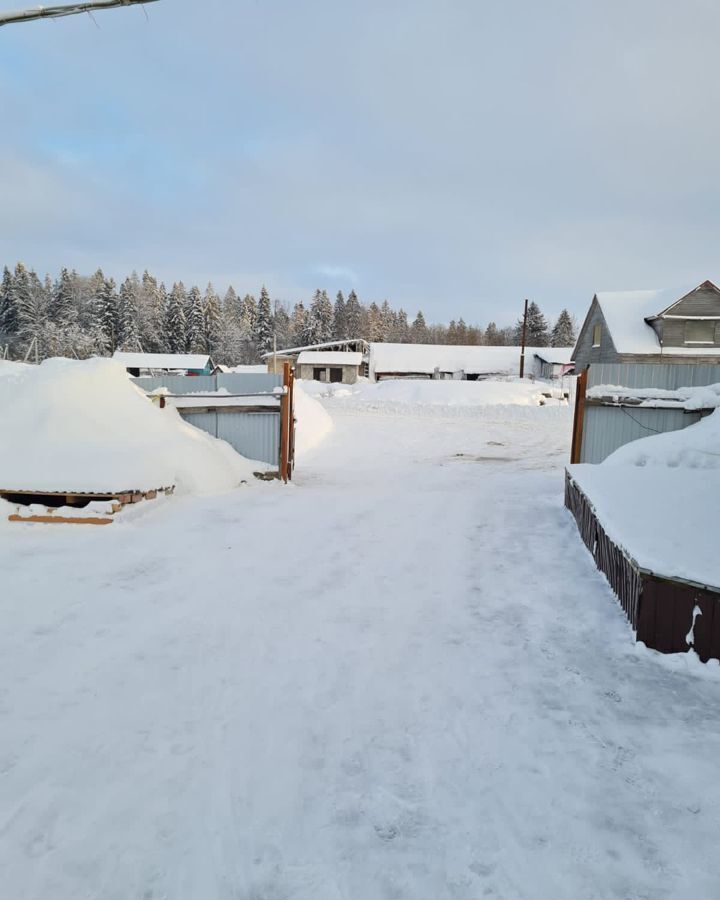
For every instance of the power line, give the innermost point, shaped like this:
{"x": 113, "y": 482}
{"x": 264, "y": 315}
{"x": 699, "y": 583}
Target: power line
{"x": 71, "y": 9}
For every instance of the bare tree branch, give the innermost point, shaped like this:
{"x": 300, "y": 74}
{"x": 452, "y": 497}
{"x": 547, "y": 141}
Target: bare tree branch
{"x": 49, "y": 12}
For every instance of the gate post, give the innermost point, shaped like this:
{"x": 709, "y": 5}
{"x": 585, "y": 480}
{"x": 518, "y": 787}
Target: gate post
{"x": 579, "y": 417}
{"x": 285, "y": 409}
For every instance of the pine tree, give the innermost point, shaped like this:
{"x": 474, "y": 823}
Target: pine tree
{"x": 401, "y": 330}
{"x": 339, "y": 323}
{"x": 374, "y": 326}
{"x": 564, "y": 334}
{"x": 8, "y": 307}
{"x": 264, "y": 329}
{"x": 319, "y": 328}
{"x": 418, "y": 330}
{"x": 282, "y": 325}
{"x": 212, "y": 320}
{"x": 387, "y": 322}
{"x": 195, "y": 321}
{"x": 537, "y": 330}
{"x": 175, "y": 324}
{"x": 33, "y": 301}
{"x": 151, "y": 313}
{"x": 62, "y": 307}
{"x": 248, "y": 316}
{"x": 128, "y": 333}
{"x": 492, "y": 336}
{"x": 232, "y": 308}
{"x": 298, "y": 324}
{"x": 104, "y": 318}
{"x": 353, "y": 317}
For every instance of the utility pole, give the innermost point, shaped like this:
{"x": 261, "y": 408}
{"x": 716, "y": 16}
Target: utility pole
{"x": 522, "y": 349}
{"x": 68, "y": 9}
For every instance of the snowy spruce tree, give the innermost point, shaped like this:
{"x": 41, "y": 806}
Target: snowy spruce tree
{"x": 211, "y": 320}
{"x": 264, "y": 329}
{"x": 8, "y": 308}
{"x": 298, "y": 324}
{"x": 339, "y": 323}
{"x": 419, "y": 330}
{"x": 175, "y": 324}
{"x": 353, "y": 316}
{"x": 128, "y": 326}
{"x": 320, "y": 319}
{"x": 194, "y": 321}
{"x": 537, "y": 334}
{"x": 62, "y": 306}
{"x": 564, "y": 334}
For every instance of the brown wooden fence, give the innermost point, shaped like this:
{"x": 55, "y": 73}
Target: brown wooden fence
{"x": 661, "y": 610}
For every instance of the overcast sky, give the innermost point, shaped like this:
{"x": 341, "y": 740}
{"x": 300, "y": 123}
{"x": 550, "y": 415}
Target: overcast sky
{"x": 454, "y": 156}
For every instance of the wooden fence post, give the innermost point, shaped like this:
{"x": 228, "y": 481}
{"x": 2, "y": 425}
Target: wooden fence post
{"x": 579, "y": 417}
{"x": 285, "y": 424}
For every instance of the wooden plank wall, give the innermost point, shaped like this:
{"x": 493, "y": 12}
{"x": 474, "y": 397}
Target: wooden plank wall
{"x": 659, "y": 609}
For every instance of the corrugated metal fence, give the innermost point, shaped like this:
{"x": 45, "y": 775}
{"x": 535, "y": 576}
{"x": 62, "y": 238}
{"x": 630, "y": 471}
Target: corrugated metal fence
{"x": 253, "y": 432}
{"x": 606, "y": 427}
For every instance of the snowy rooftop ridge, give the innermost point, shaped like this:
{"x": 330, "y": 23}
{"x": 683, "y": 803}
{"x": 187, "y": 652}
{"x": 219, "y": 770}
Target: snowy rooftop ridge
{"x": 625, "y": 314}
{"x": 423, "y": 359}
{"x": 330, "y": 358}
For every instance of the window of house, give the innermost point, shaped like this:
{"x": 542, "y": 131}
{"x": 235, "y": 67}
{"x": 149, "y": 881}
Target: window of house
{"x": 699, "y": 332}
{"x": 336, "y": 375}
{"x": 319, "y": 375}
{"x": 597, "y": 335}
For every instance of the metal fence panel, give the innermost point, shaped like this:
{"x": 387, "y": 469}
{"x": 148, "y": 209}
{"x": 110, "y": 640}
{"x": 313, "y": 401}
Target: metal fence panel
{"x": 252, "y": 382}
{"x": 178, "y": 384}
{"x": 255, "y": 435}
{"x": 608, "y": 427}
{"x": 205, "y": 421}
{"x": 653, "y": 375}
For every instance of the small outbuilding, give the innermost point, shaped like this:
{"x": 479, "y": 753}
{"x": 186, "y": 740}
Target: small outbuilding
{"x": 335, "y": 366}
{"x": 138, "y": 364}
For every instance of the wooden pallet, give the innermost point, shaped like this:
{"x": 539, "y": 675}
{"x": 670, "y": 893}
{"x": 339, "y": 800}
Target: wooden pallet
{"x": 77, "y": 500}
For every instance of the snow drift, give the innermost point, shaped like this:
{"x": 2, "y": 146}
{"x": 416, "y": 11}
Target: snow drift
{"x": 313, "y": 423}
{"x": 694, "y": 447}
{"x": 83, "y": 426}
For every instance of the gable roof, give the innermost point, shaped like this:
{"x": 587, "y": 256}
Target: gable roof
{"x": 626, "y": 314}
{"x": 674, "y": 303}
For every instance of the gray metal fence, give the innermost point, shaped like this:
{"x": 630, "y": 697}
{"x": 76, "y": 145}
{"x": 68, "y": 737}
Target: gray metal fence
{"x": 669, "y": 376}
{"x": 607, "y": 426}
{"x": 253, "y": 432}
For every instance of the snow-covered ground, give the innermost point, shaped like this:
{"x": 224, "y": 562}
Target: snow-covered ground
{"x": 401, "y": 677}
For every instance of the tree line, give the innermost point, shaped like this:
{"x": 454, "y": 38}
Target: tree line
{"x": 83, "y": 316}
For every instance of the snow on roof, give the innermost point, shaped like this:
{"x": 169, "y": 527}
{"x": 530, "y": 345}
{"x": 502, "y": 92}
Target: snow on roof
{"x": 625, "y": 313}
{"x": 423, "y": 359}
{"x": 328, "y": 345}
{"x": 162, "y": 360}
{"x": 557, "y": 355}
{"x": 329, "y": 358}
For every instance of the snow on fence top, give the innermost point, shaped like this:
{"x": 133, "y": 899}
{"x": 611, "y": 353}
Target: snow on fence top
{"x": 329, "y": 358}
{"x": 170, "y": 361}
{"x": 424, "y": 359}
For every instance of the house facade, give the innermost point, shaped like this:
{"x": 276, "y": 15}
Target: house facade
{"x": 331, "y": 366}
{"x": 652, "y": 326}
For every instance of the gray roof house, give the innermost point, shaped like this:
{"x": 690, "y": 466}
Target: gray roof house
{"x": 670, "y": 326}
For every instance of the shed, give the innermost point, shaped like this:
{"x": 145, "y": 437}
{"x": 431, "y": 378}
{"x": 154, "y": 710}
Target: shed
{"x": 336, "y": 366}
{"x": 552, "y": 363}
{"x": 162, "y": 363}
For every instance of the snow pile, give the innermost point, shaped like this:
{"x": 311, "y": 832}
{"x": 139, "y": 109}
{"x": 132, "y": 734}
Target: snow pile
{"x": 416, "y": 393}
{"x": 694, "y": 447}
{"x": 9, "y": 369}
{"x": 690, "y": 398}
{"x": 83, "y": 426}
{"x": 313, "y": 423}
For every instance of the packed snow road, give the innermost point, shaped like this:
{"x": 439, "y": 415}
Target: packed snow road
{"x": 399, "y": 678}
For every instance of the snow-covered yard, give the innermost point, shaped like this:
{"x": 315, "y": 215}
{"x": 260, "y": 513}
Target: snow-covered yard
{"x": 400, "y": 677}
